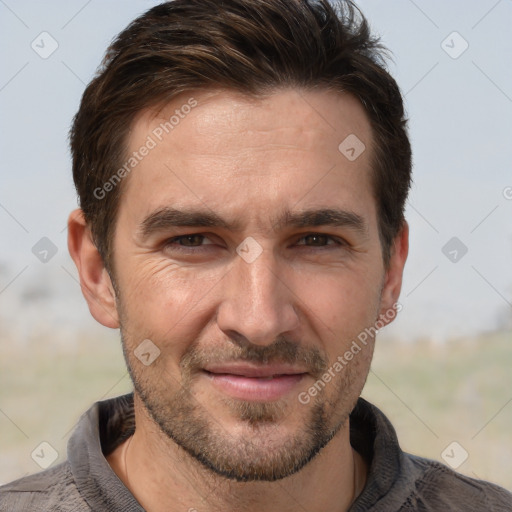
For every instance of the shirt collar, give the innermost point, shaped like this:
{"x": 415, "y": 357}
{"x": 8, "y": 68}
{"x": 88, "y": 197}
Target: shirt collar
{"x": 108, "y": 423}
{"x": 95, "y": 480}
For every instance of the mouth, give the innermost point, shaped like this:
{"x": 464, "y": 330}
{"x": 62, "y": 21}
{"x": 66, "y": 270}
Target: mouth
{"x": 255, "y": 383}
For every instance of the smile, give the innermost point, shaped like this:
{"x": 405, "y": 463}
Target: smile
{"x": 255, "y": 383}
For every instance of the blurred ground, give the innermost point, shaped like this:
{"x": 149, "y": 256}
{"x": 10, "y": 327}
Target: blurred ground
{"x": 434, "y": 394}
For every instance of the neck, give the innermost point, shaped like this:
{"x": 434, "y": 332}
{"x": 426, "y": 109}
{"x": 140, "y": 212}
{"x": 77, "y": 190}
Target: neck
{"x": 163, "y": 477}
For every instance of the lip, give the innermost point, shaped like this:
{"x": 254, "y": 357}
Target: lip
{"x": 257, "y": 383}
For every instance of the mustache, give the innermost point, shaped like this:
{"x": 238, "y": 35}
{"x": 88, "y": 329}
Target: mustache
{"x": 280, "y": 351}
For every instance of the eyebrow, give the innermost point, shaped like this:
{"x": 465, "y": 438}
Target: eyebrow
{"x": 168, "y": 217}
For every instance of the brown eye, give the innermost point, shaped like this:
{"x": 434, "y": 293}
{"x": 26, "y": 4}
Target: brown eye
{"x": 318, "y": 240}
{"x": 186, "y": 241}
{"x": 190, "y": 240}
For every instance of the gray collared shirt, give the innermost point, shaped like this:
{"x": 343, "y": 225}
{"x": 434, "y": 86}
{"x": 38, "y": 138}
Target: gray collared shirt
{"x": 397, "y": 481}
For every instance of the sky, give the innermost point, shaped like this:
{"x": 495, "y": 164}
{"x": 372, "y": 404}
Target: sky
{"x": 452, "y": 63}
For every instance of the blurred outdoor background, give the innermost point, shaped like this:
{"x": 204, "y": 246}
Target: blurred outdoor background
{"x": 442, "y": 371}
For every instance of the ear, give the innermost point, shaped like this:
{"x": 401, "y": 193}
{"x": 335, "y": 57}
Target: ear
{"x": 94, "y": 279}
{"x": 393, "y": 277}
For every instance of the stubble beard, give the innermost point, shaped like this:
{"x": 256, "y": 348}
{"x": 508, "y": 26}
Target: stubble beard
{"x": 261, "y": 450}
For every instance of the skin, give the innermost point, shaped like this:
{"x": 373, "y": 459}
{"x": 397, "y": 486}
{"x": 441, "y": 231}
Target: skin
{"x": 247, "y": 160}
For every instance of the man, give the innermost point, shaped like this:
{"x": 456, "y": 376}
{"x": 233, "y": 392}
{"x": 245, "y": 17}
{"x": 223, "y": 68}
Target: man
{"x": 242, "y": 168}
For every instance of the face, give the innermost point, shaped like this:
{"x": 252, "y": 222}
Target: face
{"x": 247, "y": 252}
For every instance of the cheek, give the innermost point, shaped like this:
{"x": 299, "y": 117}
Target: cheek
{"x": 341, "y": 305}
{"x": 165, "y": 302}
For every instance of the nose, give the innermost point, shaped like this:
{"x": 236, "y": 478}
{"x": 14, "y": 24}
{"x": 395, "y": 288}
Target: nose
{"x": 258, "y": 303}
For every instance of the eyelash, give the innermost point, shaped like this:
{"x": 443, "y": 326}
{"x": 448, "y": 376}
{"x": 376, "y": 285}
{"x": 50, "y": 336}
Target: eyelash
{"x": 171, "y": 242}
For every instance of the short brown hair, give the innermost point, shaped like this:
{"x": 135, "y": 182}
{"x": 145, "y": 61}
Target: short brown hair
{"x": 251, "y": 46}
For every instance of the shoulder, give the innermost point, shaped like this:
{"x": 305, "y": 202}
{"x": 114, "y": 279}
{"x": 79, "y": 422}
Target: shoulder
{"x": 52, "y": 490}
{"x": 402, "y": 482}
{"x": 438, "y": 487}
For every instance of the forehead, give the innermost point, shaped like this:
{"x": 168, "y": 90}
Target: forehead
{"x": 250, "y": 156}
{"x": 302, "y": 118}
